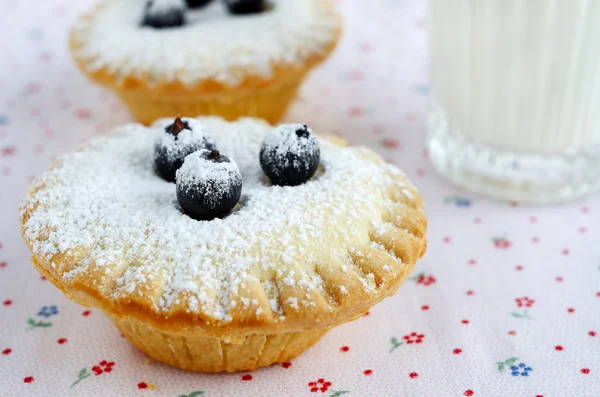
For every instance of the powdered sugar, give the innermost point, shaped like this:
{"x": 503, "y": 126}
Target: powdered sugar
{"x": 176, "y": 146}
{"x": 217, "y": 177}
{"x": 283, "y": 139}
{"x": 161, "y": 6}
{"x": 211, "y": 45}
{"x": 104, "y": 209}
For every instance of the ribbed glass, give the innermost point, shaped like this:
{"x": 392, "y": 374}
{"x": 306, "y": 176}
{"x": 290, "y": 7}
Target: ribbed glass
{"x": 515, "y": 96}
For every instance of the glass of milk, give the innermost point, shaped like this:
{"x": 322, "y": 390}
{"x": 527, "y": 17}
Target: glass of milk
{"x": 515, "y": 97}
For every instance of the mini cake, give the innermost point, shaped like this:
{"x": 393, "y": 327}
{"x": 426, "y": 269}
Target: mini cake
{"x": 268, "y": 238}
{"x": 230, "y": 58}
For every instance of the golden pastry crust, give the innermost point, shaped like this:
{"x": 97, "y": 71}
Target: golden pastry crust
{"x": 351, "y": 274}
{"x": 402, "y": 245}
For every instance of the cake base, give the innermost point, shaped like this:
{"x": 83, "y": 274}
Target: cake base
{"x": 269, "y": 103}
{"x": 206, "y": 354}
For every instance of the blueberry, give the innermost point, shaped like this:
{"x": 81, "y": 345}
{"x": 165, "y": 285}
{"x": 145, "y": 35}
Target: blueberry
{"x": 209, "y": 185}
{"x": 290, "y": 155}
{"x": 242, "y": 7}
{"x": 178, "y": 140}
{"x": 164, "y": 14}
{"x": 197, "y": 3}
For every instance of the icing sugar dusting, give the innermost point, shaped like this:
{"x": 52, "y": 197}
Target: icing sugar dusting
{"x": 176, "y": 146}
{"x": 211, "y": 45}
{"x": 103, "y": 210}
{"x": 284, "y": 139}
{"x": 217, "y": 177}
{"x": 161, "y": 6}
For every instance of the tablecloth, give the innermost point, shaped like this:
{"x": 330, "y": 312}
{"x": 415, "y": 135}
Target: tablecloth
{"x": 506, "y": 302}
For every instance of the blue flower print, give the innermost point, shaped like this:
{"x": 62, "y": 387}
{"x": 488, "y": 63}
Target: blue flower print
{"x": 48, "y": 311}
{"x": 520, "y": 369}
{"x": 460, "y": 202}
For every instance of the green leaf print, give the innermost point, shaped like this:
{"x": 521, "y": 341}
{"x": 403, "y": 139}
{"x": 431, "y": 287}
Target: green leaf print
{"x": 338, "y": 393}
{"x": 196, "y": 393}
{"x": 524, "y": 315}
{"x": 506, "y": 363}
{"x": 82, "y": 375}
{"x": 395, "y": 344}
{"x": 37, "y": 324}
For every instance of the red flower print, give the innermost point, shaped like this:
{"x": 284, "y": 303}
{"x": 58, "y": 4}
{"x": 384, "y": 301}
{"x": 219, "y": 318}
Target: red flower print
{"x": 3, "y": 264}
{"x": 320, "y": 385}
{"x": 344, "y": 349}
{"x": 368, "y": 372}
{"x": 86, "y": 313}
{"x": 469, "y": 393}
{"x": 142, "y": 385}
{"x": 62, "y": 341}
{"x": 6, "y": 352}
{"x": 518, "y": 268}
{"x": 565, "y": 252}
{"x": 83, "y": 114}
{"x": 413, "y": 375}
{"x": 501, "y": 243}
{"x": 571, "y": 310}
{"x": 425, "y": 307}
{"x": 457, "y": 351}
{"x": 413, "y": 338}
{"x": 592, "y": 333}
{"x": 424, "y": 279}
{"x": 99, "y": 369}
{"x": 9, "y": 151}
{"x": 107, "y": 366}
{"x": 465, "y": 321}
{"x": 357, "y": 75}
{"x": 29, "y": 379}
{"x": 470, "y": 292}
{"x": 390, "y": 143}
{"x": 558, "y": 348}
{"x": 7, "y": 302}
{"x": 355, "y": 112}
{"x": 33, "y": 88}
{"x": 512, "y": 332}
{"x": 585, "y": 371}
{"x": 524, "y": 302}
{"x": 247, "y": 377}
{"x": 366, "y": 47}
{"x": 286, "y": 364}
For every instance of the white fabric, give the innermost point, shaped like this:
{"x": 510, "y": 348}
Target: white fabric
{"x": 372, "y": 92}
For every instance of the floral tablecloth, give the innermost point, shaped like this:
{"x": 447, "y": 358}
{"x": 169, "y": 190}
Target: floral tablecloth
{"x": 505, "y": 303}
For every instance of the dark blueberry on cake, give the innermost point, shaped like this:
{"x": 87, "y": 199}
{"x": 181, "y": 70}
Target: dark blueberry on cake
{"x": 242, "y": 7}
{"x": 164, "y": 14}
{"x": 197, "y": 3}
{"x": 290, "y": 155}
{"x": 209, "y": 185}
{"x": 183, "y": 137}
